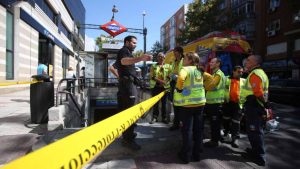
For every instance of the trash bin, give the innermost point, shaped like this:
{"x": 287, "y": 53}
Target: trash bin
{"x": 41, "y": 99}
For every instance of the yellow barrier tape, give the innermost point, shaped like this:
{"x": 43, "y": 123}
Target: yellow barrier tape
{"x": 81, "y": 147}
{"x": 18, "y": 82}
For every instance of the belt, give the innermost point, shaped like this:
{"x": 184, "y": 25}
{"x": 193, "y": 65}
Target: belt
{"x": 127, "y": 78}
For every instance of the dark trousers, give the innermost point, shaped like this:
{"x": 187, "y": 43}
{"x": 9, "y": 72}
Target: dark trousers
{"x": 155, "y": 91}
{"x": 254, "y": 126}
{"x": 232, "y": 115}
{"x": 214, "y": 112}
{"x": 175, "y": 108}
{"x": 71, "y": 86}
{"x": 192, "y": 137}
{"x": 126, "y": 99}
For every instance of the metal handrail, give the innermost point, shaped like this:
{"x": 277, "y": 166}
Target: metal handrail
{"x": 58, "y": 91}
{"x": 76, "y": 105}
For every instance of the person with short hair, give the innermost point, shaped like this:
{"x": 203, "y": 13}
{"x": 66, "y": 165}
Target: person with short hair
{"x": 214, "y": 101}
{"x": 159, "y": 83}
{"x": 232, "y": 111}
{"x": 70, "y": 75}
{"x": 125, "y": 64}
{"x": 175, "y": 69}
{"x": 256, "y": 93}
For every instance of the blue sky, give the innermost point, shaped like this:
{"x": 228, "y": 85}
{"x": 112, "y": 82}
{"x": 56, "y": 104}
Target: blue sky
{"x": 130, "y": 15}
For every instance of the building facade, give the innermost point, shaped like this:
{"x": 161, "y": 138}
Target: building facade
{"x": 44, "y": 31}
{"x": 278, "y": 30}
{"x": 171, "y": 28}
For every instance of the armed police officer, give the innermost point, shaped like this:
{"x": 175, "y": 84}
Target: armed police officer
{"x": 125, "y": 64}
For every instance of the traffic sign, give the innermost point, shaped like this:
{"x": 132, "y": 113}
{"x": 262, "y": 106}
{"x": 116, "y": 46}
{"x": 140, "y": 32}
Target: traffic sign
{"x": 113, "y": 28}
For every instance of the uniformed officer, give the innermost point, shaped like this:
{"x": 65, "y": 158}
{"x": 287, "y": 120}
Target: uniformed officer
{"x": 256, "y": 93}
{"x": 214, "y": 101}
{"x": 233, "y": 105}
{"x": 127, "y": 89}
{"x": 190, "y": 97}
{"x": 159, "y": 83}
{"x": 175, "y": 68}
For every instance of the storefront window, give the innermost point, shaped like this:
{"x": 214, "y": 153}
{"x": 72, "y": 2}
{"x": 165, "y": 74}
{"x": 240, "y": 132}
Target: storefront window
{"x": 65, "y": 62}
{"x": 9, "y": 46}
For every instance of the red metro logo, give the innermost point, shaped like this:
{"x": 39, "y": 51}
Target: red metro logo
{"x": 113, "y": 28}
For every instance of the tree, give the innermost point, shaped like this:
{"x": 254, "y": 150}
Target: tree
{"x": 156, "y": 48}
{"x": 205, "y": 17}
{"x": 105, "y": 39}
{"x": 138, "y": 53}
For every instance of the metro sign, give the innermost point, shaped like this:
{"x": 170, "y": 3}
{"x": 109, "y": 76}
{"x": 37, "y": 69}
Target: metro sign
{"x": 113, "y": 28}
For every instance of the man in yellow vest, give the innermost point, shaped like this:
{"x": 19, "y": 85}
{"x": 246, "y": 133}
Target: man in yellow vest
{"x": 214, "y": 101}
{"x": 233, "y": 105}
{"x": 256, "y": 93}
{"x": 190, "y": 97}
{"x": 175, "y": 69}
{"x": 159, "y": 82}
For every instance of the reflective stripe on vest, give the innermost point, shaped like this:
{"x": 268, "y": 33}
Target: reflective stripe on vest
{"x": 217, "y": 94}
{"x": 193, "y": 83}
{"x": 247, "y": 91}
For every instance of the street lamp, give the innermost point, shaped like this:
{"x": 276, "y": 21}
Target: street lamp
{"x": 144, "y": 34}
{"x": 114, "y": 10}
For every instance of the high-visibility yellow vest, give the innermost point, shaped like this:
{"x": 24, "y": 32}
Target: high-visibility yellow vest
{"x": 216, "y": 95}
{"x": 160, "y": 73}
{"x": 193, "y": 88}
{"x": 179, "y": 66}
{"x": 227, "y": 91}
{"x": 247, "y": 90}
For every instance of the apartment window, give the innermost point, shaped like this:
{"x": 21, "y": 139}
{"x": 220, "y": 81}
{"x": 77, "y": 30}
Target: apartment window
{"x": 65, "y": 31}
{"x": 250, "y": 7}
{"x": 222, "y": 5}
{"x": 274, "y": 3}
{"x": 9, "y": 46}
{"x": 48, "y": 10}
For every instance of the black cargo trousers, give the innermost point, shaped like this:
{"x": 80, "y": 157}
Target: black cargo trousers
{"x": 126, "y": 98}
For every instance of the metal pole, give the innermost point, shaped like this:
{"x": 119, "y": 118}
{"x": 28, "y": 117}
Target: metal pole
{"x": 144, "y": 34}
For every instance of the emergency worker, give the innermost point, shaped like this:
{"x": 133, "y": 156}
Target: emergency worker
{"x": 256, "y": 93}
{"x": 175, "y": 68}
{"x": 159, "y": 83}
{"x": 233, "y": 105}
{"x": 214, "y": 101}
{"x": 125, "y": 64}
{"x": 190, "y": 97}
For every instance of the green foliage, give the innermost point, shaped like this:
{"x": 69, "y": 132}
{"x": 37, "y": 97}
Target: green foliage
{"x": 156, "y": 48}
{"x": 105, "y": 39}
{"x": 138, "y": 53}
{"x": 205, "y": 17}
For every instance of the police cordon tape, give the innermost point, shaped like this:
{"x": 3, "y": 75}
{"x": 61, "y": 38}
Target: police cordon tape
{"x": 76, "y": 150}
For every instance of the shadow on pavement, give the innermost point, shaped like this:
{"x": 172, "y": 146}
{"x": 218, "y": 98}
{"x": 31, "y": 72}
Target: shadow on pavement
{"x": 21, "y": 100}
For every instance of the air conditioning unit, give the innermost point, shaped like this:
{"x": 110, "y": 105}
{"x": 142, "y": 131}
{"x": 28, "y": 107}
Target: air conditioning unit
{"x": 296, "y": 18}
{"x": 271, "y": 33}
{"x": 272, "y": 9}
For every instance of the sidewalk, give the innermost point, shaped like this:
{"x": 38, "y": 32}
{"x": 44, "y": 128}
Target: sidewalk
{"x": 16, "y": 138}
{"x": 159, "y": 145}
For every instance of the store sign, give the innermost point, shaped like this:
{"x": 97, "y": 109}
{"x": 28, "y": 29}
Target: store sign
{"x": 113, "y": 28}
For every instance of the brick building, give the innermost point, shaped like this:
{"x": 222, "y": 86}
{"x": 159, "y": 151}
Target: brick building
{"x": 171, "y": 28}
